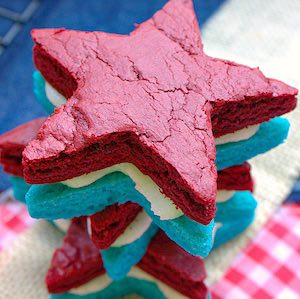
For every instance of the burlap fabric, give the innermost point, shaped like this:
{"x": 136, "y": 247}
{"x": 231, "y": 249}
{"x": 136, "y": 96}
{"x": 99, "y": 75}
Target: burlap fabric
{"x": 264, "y": 33}
{"x": 252, "y": 32}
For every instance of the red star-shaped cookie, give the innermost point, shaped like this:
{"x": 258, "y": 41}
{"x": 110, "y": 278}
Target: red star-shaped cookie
{"x": 13, "y": 143}
{"x": 78, "y": 261}
{"x": 150, "y": 98}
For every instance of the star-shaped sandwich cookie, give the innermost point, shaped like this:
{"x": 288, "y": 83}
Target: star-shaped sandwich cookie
{"x": 166, "y": 270}
{"x": 153, "y": 99}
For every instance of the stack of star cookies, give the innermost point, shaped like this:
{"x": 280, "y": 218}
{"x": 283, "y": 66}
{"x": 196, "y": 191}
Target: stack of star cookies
{"x": 142, "y": 162}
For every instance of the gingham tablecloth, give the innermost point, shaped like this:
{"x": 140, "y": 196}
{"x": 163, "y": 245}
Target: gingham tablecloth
{"x": 14, "y": 219}
{"x": 268, "y": 268}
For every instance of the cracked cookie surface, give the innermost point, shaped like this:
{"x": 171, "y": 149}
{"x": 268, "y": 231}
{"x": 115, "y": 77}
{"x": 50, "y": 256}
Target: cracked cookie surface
{"x": 151, "y": 98}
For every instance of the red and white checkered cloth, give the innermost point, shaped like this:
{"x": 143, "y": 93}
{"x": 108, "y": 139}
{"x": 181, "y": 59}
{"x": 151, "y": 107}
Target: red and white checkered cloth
{"x": 14, "y": 219}
{"x": 270, "y": 266}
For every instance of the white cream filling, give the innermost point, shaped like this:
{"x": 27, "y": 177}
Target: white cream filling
{"x": 63, "y": 224}
{"x": 142, "y": 222}
{"x": 101, "y": 282}
{"x": 164, "y": 288}
{"x": 224, "y": 195}
{"x": 239, "y": 135}
{"x": 161, "y": 205}
{"x": 95, "y": 285}
{"x": 89, "y": 226}
{"x": 54, "y": 96}
{"x": 134, "y": 230}
{"x": 216, "y": 227}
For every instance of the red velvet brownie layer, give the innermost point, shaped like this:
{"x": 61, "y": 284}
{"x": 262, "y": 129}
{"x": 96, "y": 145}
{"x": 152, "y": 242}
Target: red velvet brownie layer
{"x": 277, "y": 99}
{"x": 110, "y": 223}
{"x": 168, "y": 262}
{"x": 158, "y": 113}
{"x": 13, "y": 143}
{"x": 76, "y": 262}
{"x": 235, "y": 178}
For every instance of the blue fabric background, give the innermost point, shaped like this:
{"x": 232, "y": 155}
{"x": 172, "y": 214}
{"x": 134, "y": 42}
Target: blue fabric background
{"x": 16, "y": 67}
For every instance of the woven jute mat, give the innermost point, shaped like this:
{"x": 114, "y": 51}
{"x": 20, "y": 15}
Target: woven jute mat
{"x": 250, "y": 32}
{"x": 264, "y": 33}
{"x": 24, "y": 265}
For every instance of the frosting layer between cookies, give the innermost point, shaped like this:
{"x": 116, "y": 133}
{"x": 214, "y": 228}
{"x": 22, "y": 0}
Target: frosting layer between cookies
{"x": 101, "y": 282}
{"x": 142, "y": 222}
{"x": 160, "y": 204}
{"x": 224, "y": 195}
{"x": 134, "y": 230}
